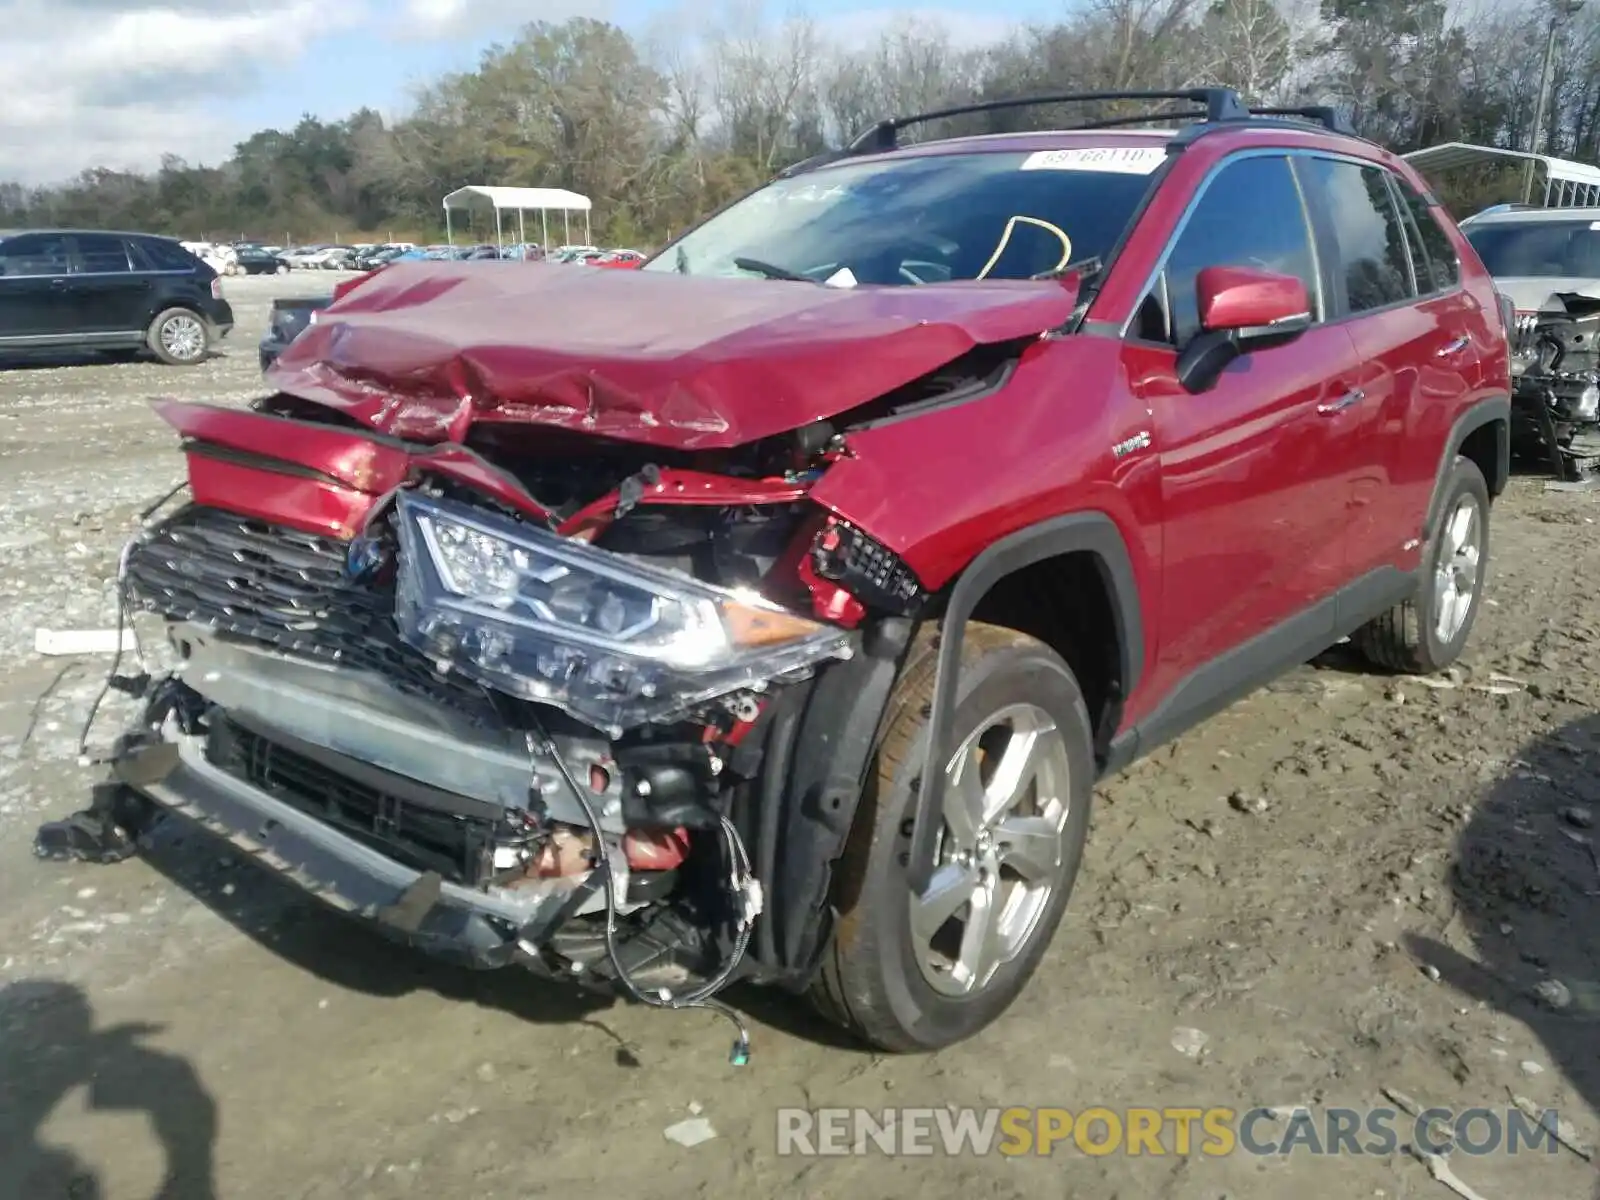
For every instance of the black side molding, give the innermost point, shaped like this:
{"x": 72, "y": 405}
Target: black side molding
{"x": 1485, "y": 412}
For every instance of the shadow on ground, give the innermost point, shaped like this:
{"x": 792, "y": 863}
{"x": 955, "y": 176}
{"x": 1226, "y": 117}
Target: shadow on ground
{"x": 349, "y": 954}
{"x": 50, "y": 1047}
{"x": 345, "y": 952}
{"x": 1527, "y": 887}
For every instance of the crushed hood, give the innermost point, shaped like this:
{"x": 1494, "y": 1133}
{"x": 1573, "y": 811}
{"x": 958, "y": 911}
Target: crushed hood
{"x": 423, "y": 351}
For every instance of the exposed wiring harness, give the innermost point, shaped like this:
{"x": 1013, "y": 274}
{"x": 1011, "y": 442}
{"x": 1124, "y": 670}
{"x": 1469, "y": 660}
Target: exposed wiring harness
{"x": 124, "y": 625}
{"x": 743, "y": 886}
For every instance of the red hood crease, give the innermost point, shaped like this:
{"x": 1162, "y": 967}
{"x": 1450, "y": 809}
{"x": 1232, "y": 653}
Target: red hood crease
{"x": 423, "y": 351}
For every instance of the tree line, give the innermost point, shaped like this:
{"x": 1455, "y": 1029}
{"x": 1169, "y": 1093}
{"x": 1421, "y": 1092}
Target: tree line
{"x": 662, "y": 127}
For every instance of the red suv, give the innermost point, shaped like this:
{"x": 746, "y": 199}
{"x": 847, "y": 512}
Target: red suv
{"x": 770, "y": 612}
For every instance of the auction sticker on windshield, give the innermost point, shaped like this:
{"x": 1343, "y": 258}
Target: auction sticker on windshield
{"x": 1123, "y": 160}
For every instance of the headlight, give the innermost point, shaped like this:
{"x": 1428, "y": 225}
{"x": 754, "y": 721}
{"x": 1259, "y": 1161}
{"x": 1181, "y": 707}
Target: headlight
{"x": 613, "y": 641}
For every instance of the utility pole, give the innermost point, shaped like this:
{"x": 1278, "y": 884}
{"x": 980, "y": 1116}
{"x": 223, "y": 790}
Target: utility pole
{"x": 1560, "y": 11}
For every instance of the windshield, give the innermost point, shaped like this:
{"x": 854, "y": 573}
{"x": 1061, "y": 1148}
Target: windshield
{"x": 1549, "y": 249}
{"x": 926, "y": 218}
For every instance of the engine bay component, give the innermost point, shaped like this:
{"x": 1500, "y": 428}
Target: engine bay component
{"x": 1556, "y": 379}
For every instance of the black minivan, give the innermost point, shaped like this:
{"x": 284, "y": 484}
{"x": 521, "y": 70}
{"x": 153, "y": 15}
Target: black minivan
{"x": 127, "y": 293}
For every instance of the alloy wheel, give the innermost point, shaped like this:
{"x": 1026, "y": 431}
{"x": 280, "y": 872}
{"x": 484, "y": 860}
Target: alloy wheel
{"x": 998, "y": 856}
{"x": 183, "y": 337}
{"x": 1456, "y": 574}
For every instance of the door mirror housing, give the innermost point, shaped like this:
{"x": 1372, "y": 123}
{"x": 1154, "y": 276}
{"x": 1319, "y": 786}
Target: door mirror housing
{"x": 1241, "y": 310}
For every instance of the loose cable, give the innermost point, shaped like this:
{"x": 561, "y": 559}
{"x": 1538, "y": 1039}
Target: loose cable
{"x": 742, "y": 884}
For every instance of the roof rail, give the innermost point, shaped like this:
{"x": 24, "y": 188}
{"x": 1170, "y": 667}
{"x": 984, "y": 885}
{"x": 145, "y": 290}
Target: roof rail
{"x": 1218, "y": 103}
{"x": 1213, "y": 108}
{"x": 1323, "y": 114}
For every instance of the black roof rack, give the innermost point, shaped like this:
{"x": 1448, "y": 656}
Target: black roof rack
{"x": 1217, "y": 104}
{"x": 1212, "y": 108}
{"x": 1322, "y": 114}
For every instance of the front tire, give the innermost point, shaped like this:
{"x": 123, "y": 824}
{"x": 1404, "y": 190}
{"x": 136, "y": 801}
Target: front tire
{"x": 179, "y": 337}
{"x": 1429, "y": 631}
{"x": 911, "y": 973}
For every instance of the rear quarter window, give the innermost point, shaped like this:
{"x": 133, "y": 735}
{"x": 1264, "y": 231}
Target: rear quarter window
{"x": 1438, "y": 263}
{"x": 165, "y": 255}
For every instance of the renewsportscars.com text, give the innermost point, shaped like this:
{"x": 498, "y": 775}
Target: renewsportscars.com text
{"x": 1174, "y": 1131}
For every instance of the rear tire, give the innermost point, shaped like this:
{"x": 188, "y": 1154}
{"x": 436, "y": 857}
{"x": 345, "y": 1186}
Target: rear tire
{"x": 179, "y": 337}
{"x": 909, "y": 974}
{"x": 1429, "y": 631}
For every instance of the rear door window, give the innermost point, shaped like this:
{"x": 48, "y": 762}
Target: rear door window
{"x": 1371, "y": 268}
{"x": 101, "y": 254}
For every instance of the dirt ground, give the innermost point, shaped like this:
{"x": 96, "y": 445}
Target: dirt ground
{"x": 1345, "y": 883}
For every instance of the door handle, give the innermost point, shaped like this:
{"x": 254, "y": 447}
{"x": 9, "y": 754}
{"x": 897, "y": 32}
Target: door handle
{"x": 58, "y": 284}
{"x": 1353, "y": 396}
{"x": 1455, "y": 347}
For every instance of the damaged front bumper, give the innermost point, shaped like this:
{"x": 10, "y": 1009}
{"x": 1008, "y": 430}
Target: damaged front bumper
{"x": 458, "y": 923}
{"x": 458, "y": 726}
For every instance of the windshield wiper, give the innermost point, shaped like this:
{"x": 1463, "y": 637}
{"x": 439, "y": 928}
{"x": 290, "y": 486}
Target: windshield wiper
{"x": 771, "y": 270}
{"x": 1088, "y": 268}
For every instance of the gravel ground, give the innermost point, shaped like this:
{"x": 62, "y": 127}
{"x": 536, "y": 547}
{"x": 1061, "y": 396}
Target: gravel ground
{"x": 1344, "y": 883}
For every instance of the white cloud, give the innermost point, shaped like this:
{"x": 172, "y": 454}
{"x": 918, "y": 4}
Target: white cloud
{"x": 426, "y": 19}
{"x": 117, "y": 83}
{"x": 966, "y": 29}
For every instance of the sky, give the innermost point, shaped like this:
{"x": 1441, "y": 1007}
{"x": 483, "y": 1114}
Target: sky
{"x": 117, "y": 83}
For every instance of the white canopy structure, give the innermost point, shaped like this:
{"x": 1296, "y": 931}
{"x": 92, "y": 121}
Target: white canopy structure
{"x": 1567, "y": 184}
{"x": 520, "y": 200}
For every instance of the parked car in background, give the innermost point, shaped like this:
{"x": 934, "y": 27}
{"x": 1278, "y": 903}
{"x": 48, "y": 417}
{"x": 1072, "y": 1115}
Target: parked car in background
{"x": 1547, "y": 261}
{"x": 374, "y": 257}
{"x": 300, "y": 257}
{"x": 123, "y": 293}
{"x": 619, "y": 259}
{"x": 288, "y": 320}
{"x": 569, "y": 254}
{"x": 335, "y": 258}
{"x": 481, "y": 253}
{"x": 290, "y": 317}
{"x": 1534, "y": 253}
{"x": 252, "y": 260}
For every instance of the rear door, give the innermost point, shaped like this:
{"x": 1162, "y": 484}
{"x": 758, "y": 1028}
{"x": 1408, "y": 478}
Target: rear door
{"x": 1412, "y": 325}
{"x": 34, "y": 269}
{"x": 110, "y": 293}
{"x": 1254, "y": 486}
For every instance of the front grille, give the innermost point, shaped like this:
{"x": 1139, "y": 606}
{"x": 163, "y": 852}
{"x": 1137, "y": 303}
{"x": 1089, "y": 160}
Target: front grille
{"x": 422, "y": 837}
{"x": 286, "y": 590}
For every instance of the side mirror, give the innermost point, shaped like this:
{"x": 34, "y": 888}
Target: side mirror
{"x": 1241, "y": 310}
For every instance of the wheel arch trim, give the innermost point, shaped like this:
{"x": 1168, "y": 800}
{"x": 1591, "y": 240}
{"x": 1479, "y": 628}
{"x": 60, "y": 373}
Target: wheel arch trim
{"x": 1484, "y": 412}
{"x": 1094, "y": 532}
